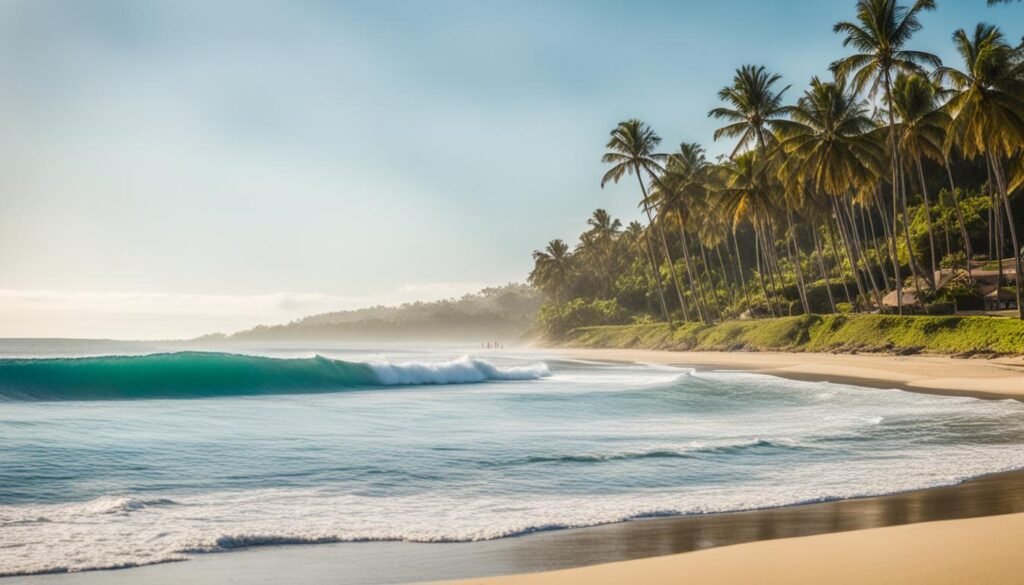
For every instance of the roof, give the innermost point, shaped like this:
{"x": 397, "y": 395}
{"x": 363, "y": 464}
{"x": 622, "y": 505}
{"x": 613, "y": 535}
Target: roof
{"x": 909, "y": 298}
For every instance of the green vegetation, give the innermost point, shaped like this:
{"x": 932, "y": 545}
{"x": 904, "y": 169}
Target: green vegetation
{"x": 889, "y": 190}
{"x": 822, "y": 333}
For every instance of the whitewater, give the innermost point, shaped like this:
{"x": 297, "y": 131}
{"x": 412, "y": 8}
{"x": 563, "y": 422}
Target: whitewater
{"x": 118, "y": 457}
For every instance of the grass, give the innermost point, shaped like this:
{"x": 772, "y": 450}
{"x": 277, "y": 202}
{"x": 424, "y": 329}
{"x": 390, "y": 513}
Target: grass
{"x": 822, "y": 333}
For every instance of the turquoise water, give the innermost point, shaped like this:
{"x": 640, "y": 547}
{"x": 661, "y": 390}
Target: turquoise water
{"x": 120, "y": 460}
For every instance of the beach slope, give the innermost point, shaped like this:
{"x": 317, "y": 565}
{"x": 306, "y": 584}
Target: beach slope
{"x": 979, "y": 551}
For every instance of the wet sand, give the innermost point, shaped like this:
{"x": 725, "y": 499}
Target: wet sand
{"x": 396, "y": 562}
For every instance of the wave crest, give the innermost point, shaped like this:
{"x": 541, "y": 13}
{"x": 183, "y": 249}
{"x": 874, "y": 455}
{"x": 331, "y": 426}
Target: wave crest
{"x": 208, "y": 374}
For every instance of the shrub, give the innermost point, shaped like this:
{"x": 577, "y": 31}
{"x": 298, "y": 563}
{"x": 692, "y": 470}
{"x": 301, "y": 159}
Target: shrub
{"x": 558, "y": 320}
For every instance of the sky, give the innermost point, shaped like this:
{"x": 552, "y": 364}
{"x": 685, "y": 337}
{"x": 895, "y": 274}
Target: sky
{"x": 170, "y": 168}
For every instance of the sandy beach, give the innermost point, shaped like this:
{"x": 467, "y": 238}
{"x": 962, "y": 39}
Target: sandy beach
{"x": 976, "y": 551}
{"x": 983, "y": 378}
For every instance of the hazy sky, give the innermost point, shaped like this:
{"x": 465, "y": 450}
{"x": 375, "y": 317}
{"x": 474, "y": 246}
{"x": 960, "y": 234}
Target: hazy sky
{"x": 170, "y": 168}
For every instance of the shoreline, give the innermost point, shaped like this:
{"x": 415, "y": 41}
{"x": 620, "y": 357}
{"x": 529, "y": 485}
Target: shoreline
{"x": 588, "y": 554}
{"x": 996, "y": 378}
{"x": 979, "y": 551}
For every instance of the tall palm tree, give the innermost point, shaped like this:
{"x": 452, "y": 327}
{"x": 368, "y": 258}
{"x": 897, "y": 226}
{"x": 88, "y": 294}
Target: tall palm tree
{"x": 679, "y": 191}
{"x": 829, "y": 150}
{"x": 879, "y": 35}
{"x": 552, "y": 269}
{"x": 988, "y": 112}
{"x": 631, "y": 150}
{"x": 920, "y": 133}
{"x": 754, "y": 110}
{"x": 754, "y": 107}
{"x": 748, "y": 194}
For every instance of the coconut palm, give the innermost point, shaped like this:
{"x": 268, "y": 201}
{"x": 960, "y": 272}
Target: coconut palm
{"x": 748, "y": 193}
{"x": 599, "y": 241}
{"x": 988, "y": 111}
{"x": 631, "y": 150}
{"x": 552, "y": 269}
{"x": 679, "y": 191}
{"x": 879, "y": 35}
{"x": 754, "y": 107}
{"x": 920, "y": 132}
{"x": 754, "y": 111}
{"x": 829, "y": 150}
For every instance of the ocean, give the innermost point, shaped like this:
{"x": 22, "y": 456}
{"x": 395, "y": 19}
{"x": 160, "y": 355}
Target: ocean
{"x": 120, "y": 454}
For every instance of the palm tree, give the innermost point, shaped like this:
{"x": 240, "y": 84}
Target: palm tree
{"x": 920, "y": 132}
{"x": 600, "y": 239}
{"x": 988, "y": 111}
{"x": 754, "y": 114}
{"x": 748, "y": 194}
{"x": 679, "y": 191}
{"x": 879, "y": 35}
{"x": 754, "y": 108}
{"x": 552, "y": 269}
{"x": 631, "y": 150}
{"x": 829, "y": 150}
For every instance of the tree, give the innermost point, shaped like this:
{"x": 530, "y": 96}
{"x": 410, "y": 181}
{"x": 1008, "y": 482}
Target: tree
{"x": 599, "y": 242}
{"x": 631, "y": 150}
{"x": 754, "y": 108}
{"x": 552, "y": 270}
{"x": 678, "y": 192}
{"x": 988, "y": 112}
{"x": 755, "y": 113}
{"x": 829, "y": 150}
{"x": 920, "y": 133}
{"x": 879, "y": 35}
{"x": 746, "y": 189}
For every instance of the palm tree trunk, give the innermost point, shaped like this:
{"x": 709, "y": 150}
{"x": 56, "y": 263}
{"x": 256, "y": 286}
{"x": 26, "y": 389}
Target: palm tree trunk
{"x": 774, "y": 265}
{"x": 845, "y": 238}
{"x": 739, "y": 267}
{"x": 673, "y": 271}
{"x": 689, "y": 272}
{"x": 767, "y": 255}
{"x": 795, "y": 260}
{"x": 653, "y": 256}
{"x": 906, "y": 237}
{"x": 997, "y": 167}
{"x": 711, "y": 281}
{"x": 760, "y": 271}
{"x": 960, "y": 220}
{"x": 824, "y": 273}
{"x": 839, "y": 263}
{"x": 928, "y": 216}
{"x": 891, "y": 245}
{"x": 725, "y": 275}
{"x": 895, "y": 159}
{"x": 879, "y": 254}
{"x": 862, "y": 258}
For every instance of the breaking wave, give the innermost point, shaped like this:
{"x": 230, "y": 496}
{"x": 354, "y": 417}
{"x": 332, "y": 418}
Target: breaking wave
{"x": 207, "y": 374}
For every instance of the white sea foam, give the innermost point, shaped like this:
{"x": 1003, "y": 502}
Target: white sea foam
{"x": 464, "y": 370}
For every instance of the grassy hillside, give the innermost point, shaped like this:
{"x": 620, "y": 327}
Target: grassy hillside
{"x": 844, "y": 333}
